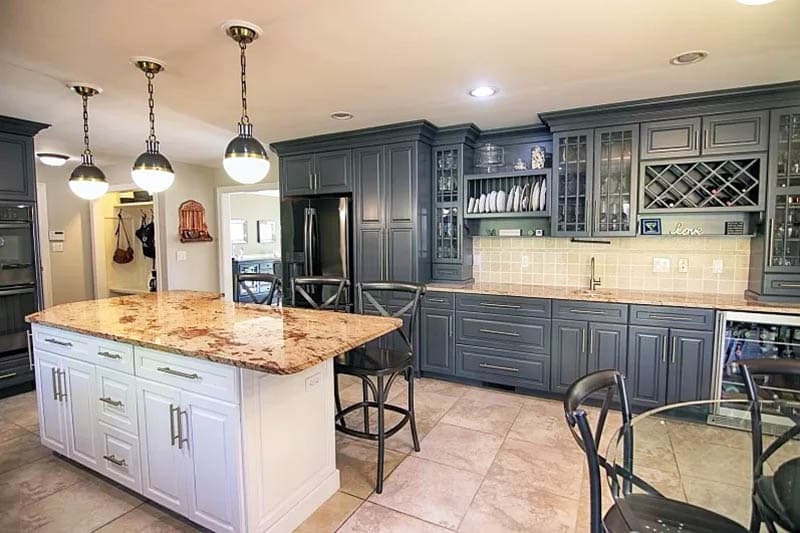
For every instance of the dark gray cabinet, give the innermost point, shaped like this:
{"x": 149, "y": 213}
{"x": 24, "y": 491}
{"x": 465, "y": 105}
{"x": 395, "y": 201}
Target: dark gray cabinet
{"x": 572, "y": 190}
{"x": 583, "y": 347}
{"x": 318, "y": 173}
{"x": 608, "y": 347}
{"x": 437, "y": 346}
{"x": 17, "y": 181}
{"x": 691, "y": 359}
{"x": 727, "y": 133}
{"x": 647, "y": 366}
{"x": 392, "y": 209}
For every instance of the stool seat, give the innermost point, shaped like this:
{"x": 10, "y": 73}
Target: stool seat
{"x": 369, "y": 361}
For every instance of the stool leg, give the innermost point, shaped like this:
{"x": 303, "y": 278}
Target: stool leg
{"x": 365, "y": 393}
{"x": 338, "y": 401}
{"x": 381, "y": 450}
{"x": 412, "y": 416}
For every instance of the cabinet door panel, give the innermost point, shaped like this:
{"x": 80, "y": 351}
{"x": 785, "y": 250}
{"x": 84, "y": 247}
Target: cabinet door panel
{"x": 436, "y": 341}
{"x": 212, "y": 428}
{"x": 671, "y": 138}
{"x": 333, "y": 172}
{"x": 402, "y": 255}
{"x": 608, "y": 347}
{"x": 52, "y": 418}
{"x": 400, "y": 178}
{"x": 370, "y": 191}
{"x": 647, "y": 366}
{"x": 116, "y": 397}
{"x": 735, "y": 132}
{"x": 572, "y": 192}
{"x": 370, "y": 254}
{"x": 164, "y": 465}
{"x": 691, "y": 355}
{"x": 296, "y": 174}
{"x": 79, "y": 380}
{"x": 16, "y": 167}
{"x": 616, "y": 178}
{"x": 569, "y": 353}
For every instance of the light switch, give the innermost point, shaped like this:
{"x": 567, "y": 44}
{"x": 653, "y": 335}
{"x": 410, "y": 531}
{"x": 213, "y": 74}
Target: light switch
{"x": 56, "y": 246}
{"x": 180, "y": 255}
{"x": 683, "y": 265}
{"x": 660, "y": 264}
{"x": 56, "y": 235}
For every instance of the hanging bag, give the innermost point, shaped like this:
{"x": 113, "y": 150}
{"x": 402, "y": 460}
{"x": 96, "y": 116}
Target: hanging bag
{"x": 122, "y": 255}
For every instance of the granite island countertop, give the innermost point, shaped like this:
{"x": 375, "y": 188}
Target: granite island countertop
{"x": 203, "y": 325}
{"x": 721, "y": 302}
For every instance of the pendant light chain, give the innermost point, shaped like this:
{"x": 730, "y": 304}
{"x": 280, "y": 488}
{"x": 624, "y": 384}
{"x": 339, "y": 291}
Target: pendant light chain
{"x": 87, "y": 152}
{"x": 151, "y": 104}
{"x": 243, "y": 61}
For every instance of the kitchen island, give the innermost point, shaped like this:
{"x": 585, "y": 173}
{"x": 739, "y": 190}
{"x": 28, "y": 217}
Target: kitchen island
{"x": 221, "y": 412}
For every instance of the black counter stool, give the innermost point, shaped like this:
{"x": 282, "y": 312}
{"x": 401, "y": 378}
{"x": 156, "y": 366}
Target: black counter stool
{"x": 384, "y": 364}
{"x": 247, "y": 281}
{"x": 312, "y": 289}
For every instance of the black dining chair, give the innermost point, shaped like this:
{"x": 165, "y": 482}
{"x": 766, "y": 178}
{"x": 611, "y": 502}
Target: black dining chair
{"x": 246, "y": 282}
{"x": 652, "y": 511}
{"x": 383, "y": 364}
{"x": 776, "y": 498}
{"x": 312, "y": 290}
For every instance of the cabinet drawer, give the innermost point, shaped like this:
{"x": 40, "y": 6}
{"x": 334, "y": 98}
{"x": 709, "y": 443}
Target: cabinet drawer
{"x": 781, "y": 285}
{"x": 503, "y": 366}
{"x": 113, "y": 355}
{"x": 441, "y": 300}
{"x": 593, "y": 311}
{"x": 15, "y": 370}
{"x": 117, "y": 400}
{"x": 203, "y": 377}
{"x": 525, "y": 334}
{"x": 448, "y": 272}
{"x": 61, "y": 342}
{"x": 681, "y": 317}
{"x": 119, "y": 456}
{"x": 509, "y": 305}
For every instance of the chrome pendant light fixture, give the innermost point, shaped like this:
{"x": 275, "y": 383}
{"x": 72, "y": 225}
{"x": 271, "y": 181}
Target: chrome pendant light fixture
{"x": 246, "y": 160}
{"x": 87, "y": 181}
{"x": 151, "y": 170}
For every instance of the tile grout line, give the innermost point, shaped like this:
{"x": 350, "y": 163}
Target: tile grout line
{"x": 117, "y": 517}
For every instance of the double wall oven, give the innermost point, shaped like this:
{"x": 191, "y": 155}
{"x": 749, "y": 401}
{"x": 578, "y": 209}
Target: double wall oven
{"x": 19, "y": 291}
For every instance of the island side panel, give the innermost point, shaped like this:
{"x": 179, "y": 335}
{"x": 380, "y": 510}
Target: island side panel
{"x": 289, "y": 446}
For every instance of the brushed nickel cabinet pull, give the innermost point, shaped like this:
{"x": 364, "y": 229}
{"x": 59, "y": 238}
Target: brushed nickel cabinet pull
{"x": 168, "y": 370}
{"x": 60, "y": 343}
{"x": 674, "y": 339}
{"x": 109, "y": 355}
{"x": 789, "y": 285}
{"x": 504, "y": 306}
{"x": 664, "y": 349}
{"x": 771, "y": 227}
{"x": 450, "y": 325}
{"x": 497, "y": 332}
{"x": 8, "y": 376}
{"x": 671, "y": 317}
{"x": 109, "y": 401}
{"x": 696, "y": 139}
{"x": 55, "y": 383}
{"x": 28, "y": 336}
{"x": 112, "y": 459}
{"x": 498, "y": 367}
{"x": 591, "y": 341}
{"x": 586, "y": 312}
{"x": 436, "y": 300}
{"x": 62, "y": 385}
{"x": 583, "y": 341}
{"x": 173, "y": 436}
{"x": 705, "y": 138}
{"x": 180, "y": 428}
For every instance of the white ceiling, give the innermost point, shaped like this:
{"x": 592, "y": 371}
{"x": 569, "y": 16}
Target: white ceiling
{"x": 383, "y": 60}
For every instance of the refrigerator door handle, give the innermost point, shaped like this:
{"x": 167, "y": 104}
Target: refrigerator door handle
{"x": 306, "y": 242}
{"x": 313, "y": 232}
{"x": 344, "y": 236}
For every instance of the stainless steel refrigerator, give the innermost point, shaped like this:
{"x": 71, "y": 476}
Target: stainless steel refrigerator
{"x": 316, "y": 241}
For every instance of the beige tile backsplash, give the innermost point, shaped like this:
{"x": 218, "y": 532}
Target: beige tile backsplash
{"x": 625, "y": 264}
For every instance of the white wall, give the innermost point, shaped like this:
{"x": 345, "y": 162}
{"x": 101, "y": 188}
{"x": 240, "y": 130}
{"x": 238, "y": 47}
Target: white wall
{"x": 252, "y": 208}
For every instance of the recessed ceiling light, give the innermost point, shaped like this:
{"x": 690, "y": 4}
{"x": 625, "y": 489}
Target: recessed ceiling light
{"x": 689, "y": 58}
{"x": 483, "y": 91}
{"x": 341, "y": 115}
{"x": 755, "y": 2}
{"x": 52, "y": 160}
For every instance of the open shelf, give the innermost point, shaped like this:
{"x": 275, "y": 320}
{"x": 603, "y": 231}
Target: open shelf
{"x": 476, "y": 185}
{"x": 134, "y": 204}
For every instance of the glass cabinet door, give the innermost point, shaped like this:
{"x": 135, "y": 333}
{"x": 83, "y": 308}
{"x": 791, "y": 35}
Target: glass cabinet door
{"x": 572, "y": 192}
{"x": 447, "y": 231}
{"x": 785, "y": 233}
{"x": 446, "y": 173}
{"x": 787, "y": 166}
{"x": 615, "y": 178}
{"x": 783, "y": 244}
{"x": 448, "y": 246}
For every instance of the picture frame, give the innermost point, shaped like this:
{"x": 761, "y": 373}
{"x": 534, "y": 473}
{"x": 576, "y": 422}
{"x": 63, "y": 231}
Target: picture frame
{"x": 651, "y": 226}
{"x": 238, "y": 231}
{"x": 265, "y": 230}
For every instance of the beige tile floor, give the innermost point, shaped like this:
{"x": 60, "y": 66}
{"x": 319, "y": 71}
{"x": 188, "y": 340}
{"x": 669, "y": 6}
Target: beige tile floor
{"x": 490, "y": 461}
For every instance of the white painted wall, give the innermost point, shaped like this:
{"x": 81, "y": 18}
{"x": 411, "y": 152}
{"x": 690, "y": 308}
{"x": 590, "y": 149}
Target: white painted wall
{"x": 252, "y": 208}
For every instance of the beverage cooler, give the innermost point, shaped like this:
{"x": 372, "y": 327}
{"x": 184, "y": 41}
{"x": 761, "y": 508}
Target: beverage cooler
{"x": 743, "y": 336}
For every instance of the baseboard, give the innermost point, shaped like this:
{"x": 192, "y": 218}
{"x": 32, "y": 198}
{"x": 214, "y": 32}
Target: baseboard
{"x": 305, "y": 507}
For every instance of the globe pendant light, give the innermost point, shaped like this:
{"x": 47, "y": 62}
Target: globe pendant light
{"x": 246, "y": 160}
{"x": 87, "y": 181}
{"x": 151, "y": 170}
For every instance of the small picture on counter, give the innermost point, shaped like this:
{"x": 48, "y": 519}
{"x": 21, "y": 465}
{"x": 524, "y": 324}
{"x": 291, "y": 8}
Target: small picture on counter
{"x": 651, "y": 226}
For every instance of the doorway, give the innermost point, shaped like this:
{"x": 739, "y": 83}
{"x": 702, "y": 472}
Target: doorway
{"x": 250, "y": 234}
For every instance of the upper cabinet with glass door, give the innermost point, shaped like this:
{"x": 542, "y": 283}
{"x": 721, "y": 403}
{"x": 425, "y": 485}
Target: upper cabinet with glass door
{"x": 452, "y": 247}
{"x": 783, "y": 217}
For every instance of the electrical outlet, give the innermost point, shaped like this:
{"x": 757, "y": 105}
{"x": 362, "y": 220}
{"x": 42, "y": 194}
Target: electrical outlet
{"x": 312, "y": 382}
{"x": 526, "y": 261}
{"x": 660, "y": 264}
{"x": 56, "y": 246}
{"x": 716, "y": 266}
{"x": 683, "y": 265}
{"x": 180, "y": 255}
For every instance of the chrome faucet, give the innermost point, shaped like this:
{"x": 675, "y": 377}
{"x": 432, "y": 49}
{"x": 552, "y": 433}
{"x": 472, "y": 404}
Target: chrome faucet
{"x": 593, "y": 282}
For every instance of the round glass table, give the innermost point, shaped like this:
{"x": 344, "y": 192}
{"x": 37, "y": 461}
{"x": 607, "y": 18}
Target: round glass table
{"x": 702, "y": 453}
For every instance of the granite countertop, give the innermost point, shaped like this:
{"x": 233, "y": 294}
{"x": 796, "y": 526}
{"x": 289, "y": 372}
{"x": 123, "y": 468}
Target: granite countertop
{"x": 202, "y": 325}
{"x": 722, "y": 302}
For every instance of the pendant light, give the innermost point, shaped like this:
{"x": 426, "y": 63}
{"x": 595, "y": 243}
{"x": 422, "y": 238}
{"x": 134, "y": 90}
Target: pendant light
{"x": 87, "y": 181}
{"x": 246, "y": 160}
{"x": 151, "y": 170}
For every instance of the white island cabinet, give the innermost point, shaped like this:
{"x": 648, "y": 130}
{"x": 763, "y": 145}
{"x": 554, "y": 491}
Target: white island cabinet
{"x": 229, "y": 448}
